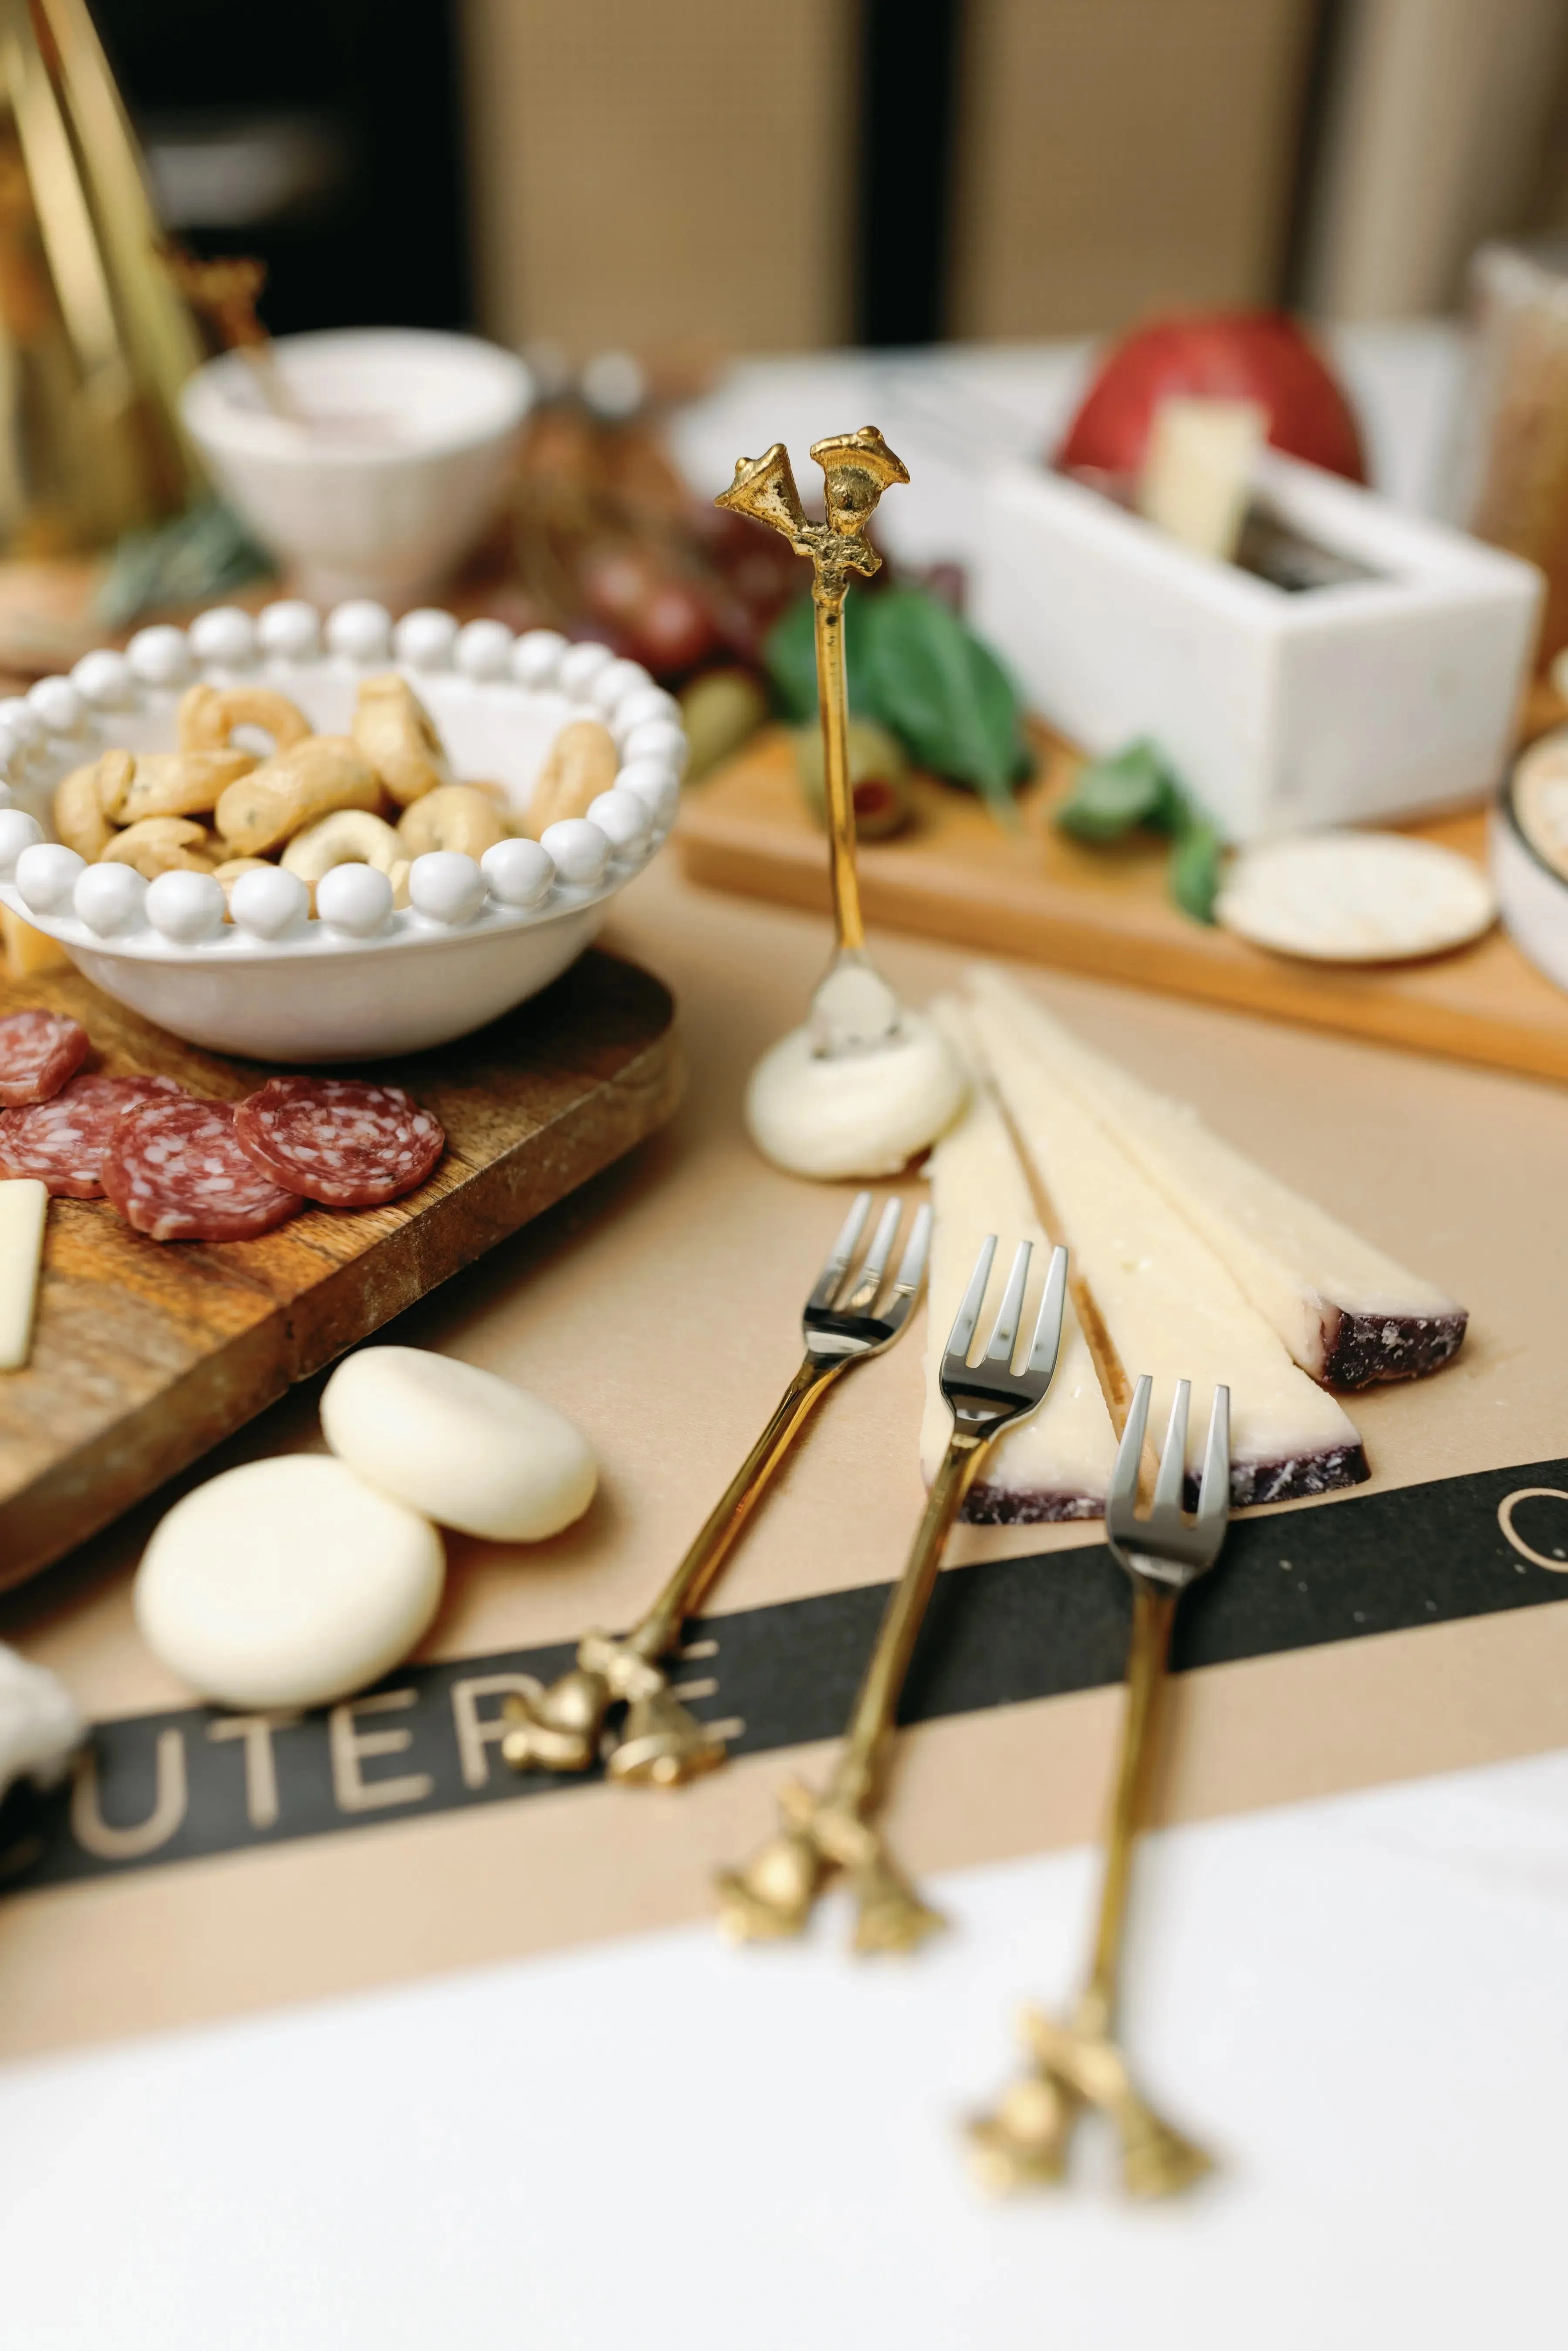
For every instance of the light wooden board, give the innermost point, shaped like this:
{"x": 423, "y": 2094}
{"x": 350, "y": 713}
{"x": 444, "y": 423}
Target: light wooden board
{"x": 956, "y": 876}
{"x": 146, "y": 1354}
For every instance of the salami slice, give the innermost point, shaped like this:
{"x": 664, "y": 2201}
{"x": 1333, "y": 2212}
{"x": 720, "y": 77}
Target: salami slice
{"x": 341, "y": 1141}
{"x": 62, "y": 1141}
{"x": 174, "y": 1170}
{"x": 38, "y": 1052}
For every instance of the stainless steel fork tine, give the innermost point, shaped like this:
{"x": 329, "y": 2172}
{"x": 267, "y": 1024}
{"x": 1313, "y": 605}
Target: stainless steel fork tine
{"x": 961, "y": 1337}
{"x": 1010, "y": 1313}
{"x": 1047, "y": 1346}
{"x": 1214, "y": 1494}
{"x": 1172, "y": 1479}
{"x": 868, "y": 1280}
{"x": 831, "y": 1280}
{"x": 1123, "y": 1487}
{"x": 911, "y": 1272}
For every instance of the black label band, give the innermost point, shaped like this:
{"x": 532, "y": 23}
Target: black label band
{"x": 156, "y": 1789}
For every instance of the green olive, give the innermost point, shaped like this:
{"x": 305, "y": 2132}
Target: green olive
{"x": 879, "y": 778}
{"x": 720, "y": 711}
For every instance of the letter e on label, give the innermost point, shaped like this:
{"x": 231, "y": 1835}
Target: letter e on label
{"x": 350, "y": 1745}
{"x": 1505, "y": 1510}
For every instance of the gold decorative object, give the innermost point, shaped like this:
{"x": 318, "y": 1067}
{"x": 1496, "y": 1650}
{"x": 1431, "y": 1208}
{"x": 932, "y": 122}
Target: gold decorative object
{"x": 661, "y": 1743}
{"x": 1079, "y": 2065}
{"x": 774, "y": 1895}
{"x": 95, "y": 341}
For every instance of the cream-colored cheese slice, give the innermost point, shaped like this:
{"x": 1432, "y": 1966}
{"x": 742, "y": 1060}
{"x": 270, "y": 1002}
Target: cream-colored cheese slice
{"x": 24, "y": 1205}
{"x": 1057, "y": 1463}
{"x": 1302, "y": 1269}
{"x": 1170, "y": 1305}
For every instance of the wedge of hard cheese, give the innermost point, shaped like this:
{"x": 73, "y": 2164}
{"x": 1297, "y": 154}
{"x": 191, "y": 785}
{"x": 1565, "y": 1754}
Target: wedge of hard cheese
{"x": 1056, "y": 1464}
{"x": 1168, "y": 1305}
{"x": 1348, "y": 1312}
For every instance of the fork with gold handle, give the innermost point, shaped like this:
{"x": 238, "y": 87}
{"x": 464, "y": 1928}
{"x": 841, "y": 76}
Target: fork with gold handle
{"x": 774, "y": 1895}
{"x": 1079, "y": 2064}
{"x": 661, "y": 1743}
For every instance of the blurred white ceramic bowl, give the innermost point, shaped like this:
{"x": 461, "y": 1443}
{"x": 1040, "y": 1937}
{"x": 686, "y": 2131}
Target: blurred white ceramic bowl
{"x": 393, "y": 471}
{"x": 360, "y": 979}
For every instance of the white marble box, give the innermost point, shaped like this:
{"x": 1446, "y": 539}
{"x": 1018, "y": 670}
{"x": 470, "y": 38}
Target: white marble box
{"x": 1356, "y": 702}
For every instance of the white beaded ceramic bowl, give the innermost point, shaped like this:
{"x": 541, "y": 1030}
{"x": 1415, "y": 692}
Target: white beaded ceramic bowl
{"x": 358, "y": 979}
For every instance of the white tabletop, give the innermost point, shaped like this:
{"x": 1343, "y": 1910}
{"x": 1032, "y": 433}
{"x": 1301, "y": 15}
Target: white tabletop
{"x": 655, "y": 2142}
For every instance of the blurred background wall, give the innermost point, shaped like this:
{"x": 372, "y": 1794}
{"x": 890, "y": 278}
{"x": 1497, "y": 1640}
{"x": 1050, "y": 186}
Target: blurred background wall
{"x": 785, "y": 173}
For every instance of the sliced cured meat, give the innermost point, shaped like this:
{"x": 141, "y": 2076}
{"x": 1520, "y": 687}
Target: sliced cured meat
{"x": 341, "y": 1141}
{"x": 174, "y": 1170}
{"x": 62, "y": 1141}
{"x": 38, "y": 1052}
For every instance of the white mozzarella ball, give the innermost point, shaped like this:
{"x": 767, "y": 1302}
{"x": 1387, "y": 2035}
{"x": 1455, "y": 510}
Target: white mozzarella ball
{"x": 518, "y": 873}
{"x": 59, "y": 704}
{"x": 225, "y": 635}
{"x": 286, "y": 1582}
{"x": 23, "y": 721}
{"x": 616, "y": 682}
{"x": 105, "y": 679}
{"x": 445, "y": 886}
{"x": 354, "y": 899}
{"x": 650, "y": 702}
{"x": 160, "y": 656}
{"x": 18, "y": 832}
{"x": 185, "y": 908}
{"x": 424, "y": 639}
{"x": 47, "y": 876}
{"x": 289, "y": 630}
{"x": 111, "y": 898}
{"x": 484, "y": 648}
{"x": 654, "y": 783}
{"x": 535, "y": 657}
{"x": 657, "y": 738}
{"x": 580, "y": 666}
{"x": 269, "y": 901}
{"x": 360, "y": 630}
{"x": 579, "y": 849}
{"x": 624, "y": 819}
{"x": 466, "y": 1448}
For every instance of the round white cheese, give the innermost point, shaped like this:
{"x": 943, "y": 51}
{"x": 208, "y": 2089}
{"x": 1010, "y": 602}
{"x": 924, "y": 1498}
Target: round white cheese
{"x": 859, "y": 1114}
{"x": 286, "y": 1582}
{"x": 467, "y": 1448}
{"x": 1355, "y": 897}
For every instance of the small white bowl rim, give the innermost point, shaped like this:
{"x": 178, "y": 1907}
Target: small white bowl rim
{"x": 228, "y": 426}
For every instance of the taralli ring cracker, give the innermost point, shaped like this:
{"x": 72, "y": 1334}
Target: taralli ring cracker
{"x": 208, "y": 716}
{"x": 285, "y": 794}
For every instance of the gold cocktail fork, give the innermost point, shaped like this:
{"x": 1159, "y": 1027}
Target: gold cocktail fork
{"x": 1024, "y": 2144}
{"x": 661, "y": 1743}
{"x": 774, "y": 1895}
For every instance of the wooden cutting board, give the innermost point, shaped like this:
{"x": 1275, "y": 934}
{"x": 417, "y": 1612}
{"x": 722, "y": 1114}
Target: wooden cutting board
{"x": 144, "y": 1355}
{"x": 956, "y": 875}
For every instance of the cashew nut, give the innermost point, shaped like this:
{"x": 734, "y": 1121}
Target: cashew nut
{"x": 290, "y": 790}
{"x": 398, "y": 737}
{"x": 208, "y": 716}
{"x": 347, "y": 837}
{"x": 454, "y": 816}
{"x": 581, "y": 763}
{"x": 162, "y": 844}
{"x": 181, "y": 783}
{"x": 79, "y": 819}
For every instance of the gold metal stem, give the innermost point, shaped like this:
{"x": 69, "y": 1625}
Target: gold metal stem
{"x": 857, "y": 1776}
{"x": 833, "y": 713}
{"x": 1154, "y": 1613}
{"x": 659, "y": 1628}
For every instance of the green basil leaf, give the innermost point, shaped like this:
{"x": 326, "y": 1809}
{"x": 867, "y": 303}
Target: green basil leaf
{"x": 943, "y": 692}
{"x": 1192, "y": 876}
{"x": 1111, "y": 796}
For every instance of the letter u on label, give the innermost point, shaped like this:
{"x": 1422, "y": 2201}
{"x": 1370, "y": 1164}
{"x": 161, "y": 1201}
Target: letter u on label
{"x": 93, "y": 1833}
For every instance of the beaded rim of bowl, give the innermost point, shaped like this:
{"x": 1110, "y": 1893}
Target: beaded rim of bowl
{"x": 579, "y": 863}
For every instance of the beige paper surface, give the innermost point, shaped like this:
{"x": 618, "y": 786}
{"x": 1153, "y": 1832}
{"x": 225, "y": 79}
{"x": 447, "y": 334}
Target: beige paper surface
{"x": 659, "y": 1307}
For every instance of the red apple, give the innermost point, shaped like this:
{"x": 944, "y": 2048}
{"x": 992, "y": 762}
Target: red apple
{"x": 1258, "y": 355}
